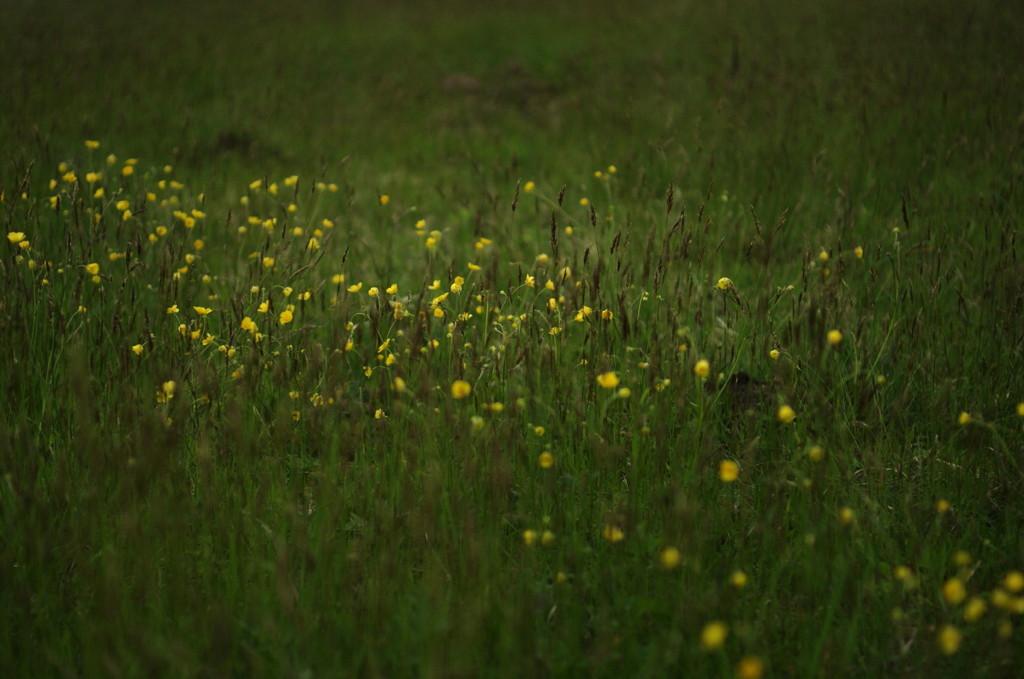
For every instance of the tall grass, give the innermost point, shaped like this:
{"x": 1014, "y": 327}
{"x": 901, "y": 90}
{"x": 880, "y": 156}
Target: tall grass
{"x": 326, "y": 357}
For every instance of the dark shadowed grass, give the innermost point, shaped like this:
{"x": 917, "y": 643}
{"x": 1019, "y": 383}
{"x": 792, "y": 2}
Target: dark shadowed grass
{"x": 620, "y": 191}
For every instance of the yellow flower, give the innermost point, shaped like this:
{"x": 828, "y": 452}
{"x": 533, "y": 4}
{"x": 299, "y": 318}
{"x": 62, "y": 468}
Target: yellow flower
{"x": 724, "y": 283}
{"x": 750, "y": 667}
{"x": 546, "y": 460}
{"x": 1020, "y": 409}
{"x": 169, "y": 388}
{"x": 624, "y": 392}
{"x": 202, "y": 310}
{"x": 173, "y": 309}
{"x": 91, "y": 144}
{"x": 774, "y": 353}
{"x": 529, "y": 537}
{"x": 248, "y": 325}
{"x": 702, "y": 368}
{"x": 461, "y": 389}
{"x": 398, "y": 384}
{"x": 137, "y": 348}
{"x": 738, "y": 579}
{"x": 528, "y": 187}
{"x": 964, "y": 418}
{"x": 15, "y": 236}
{"x": 942, "y": 506}
{"x": 728, "y": 471}
{"x": 612, "y": 533}
{"x": 974, "y": 609}
{"x": 858, "y": 252}
{"x": 846, "y": 516}
{"x": 1014, "y": 581}
{"x": 816, "y": 453}
{"x": 268, "y": 262}
{"x": 954, "y": 591}
{"x": 949, "y": 639}
{"x": 539, "y": 431}
{"x": 285, "y": 317}
{"x": 608, "y": 380}
{"x": 384, "y": 199}
{"x": 670, "y": 558}
{"x": 92, "y": 268}
{"x": 547, "y": 538}
{"x": 713, "y": 635}
{"x": 905, "y": 575}
{"x": 392, "y": 289}
{"x": 786, "y": 414}
{"x": 584, "y": 202}
{"x": 834, "y": 337}
{"x": 607, "y": 315}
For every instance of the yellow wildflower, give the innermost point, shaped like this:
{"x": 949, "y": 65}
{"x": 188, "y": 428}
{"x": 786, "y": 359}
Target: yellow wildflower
{"x": 461, "y": 389}
{"x": 612, "y": 533}
{"x": 950, "y": 639}
{"x": 670, "y": 558}
{"x": 750, "y": 667}
{"x": 953, "y": 591}
{"x": 713, "y": 635}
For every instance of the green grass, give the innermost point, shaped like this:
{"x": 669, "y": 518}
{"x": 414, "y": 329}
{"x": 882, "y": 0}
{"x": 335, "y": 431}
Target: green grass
{"x": 276, "y": 505}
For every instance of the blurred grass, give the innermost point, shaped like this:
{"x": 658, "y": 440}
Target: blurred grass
{"x": 213, "y": 534}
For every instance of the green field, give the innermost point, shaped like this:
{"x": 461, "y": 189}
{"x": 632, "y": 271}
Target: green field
{"x": 541, "y": 339}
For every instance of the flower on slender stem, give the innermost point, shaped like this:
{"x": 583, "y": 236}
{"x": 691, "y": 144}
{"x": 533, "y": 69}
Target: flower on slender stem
{"x": 713, "y": 635}
{"x": 461, "y": 389}
{"x": 728, "y": 471}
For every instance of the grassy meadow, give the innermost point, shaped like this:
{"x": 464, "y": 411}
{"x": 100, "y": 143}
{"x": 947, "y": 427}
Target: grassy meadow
{"x": 449, "y": 339}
